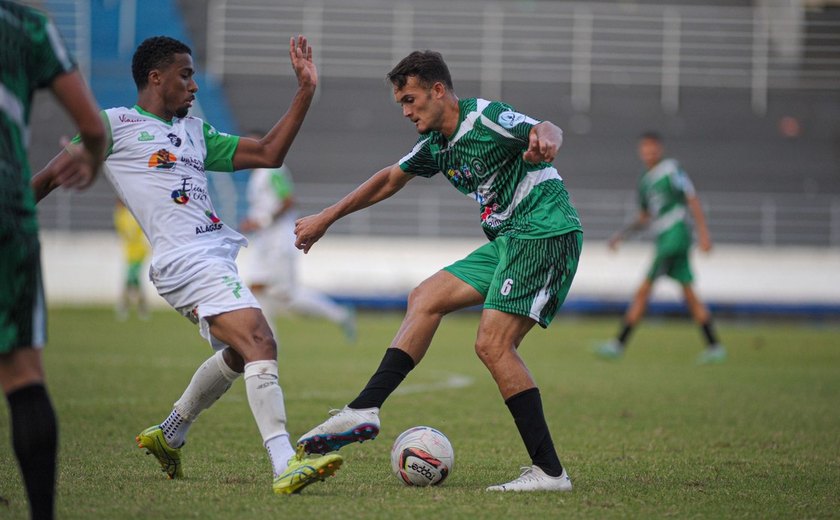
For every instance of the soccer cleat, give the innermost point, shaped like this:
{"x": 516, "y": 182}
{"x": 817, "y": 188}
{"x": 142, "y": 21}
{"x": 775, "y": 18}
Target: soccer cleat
{"x": 534, "y": 479}
{"x": 302, "y": 471}
{"x": 610, "y": 350}
{"x": 152, "y": 440}
{"x": 712, "y": 355}
{"x": 344, "y": 427}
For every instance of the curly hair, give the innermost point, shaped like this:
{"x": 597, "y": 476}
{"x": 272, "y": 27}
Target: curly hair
{"x": 154, "y": 53}
{"x": 427, "y": 66}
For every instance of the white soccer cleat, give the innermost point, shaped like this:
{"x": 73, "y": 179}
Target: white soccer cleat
{"x": 344, "y": 427}
{"x": 534, "y": 479}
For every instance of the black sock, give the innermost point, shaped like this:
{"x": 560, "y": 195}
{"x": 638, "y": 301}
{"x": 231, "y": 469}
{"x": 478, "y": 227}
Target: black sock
{"x": 709, "y": 332}
{"x": 396, "y": 364}
{"x": 526, "y": 408}
{"x": 35, "y": 441}
{"x": 625, "y": 334}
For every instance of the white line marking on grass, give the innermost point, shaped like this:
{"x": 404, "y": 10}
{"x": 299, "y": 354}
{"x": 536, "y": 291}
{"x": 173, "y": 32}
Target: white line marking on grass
{"x": 448, "y": 381}
{"x": 442, "y": 381}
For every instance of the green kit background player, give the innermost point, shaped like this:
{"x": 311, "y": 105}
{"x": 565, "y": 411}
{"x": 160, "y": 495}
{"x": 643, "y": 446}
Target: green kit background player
{"x": 33, "y": 56}
{"x": 666, "y": 197}
{"x": 502, "y": 159}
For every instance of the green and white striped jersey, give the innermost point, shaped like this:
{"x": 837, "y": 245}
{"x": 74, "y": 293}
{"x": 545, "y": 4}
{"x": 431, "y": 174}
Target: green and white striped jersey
{"x": 483, "y": 160}
{"x": 663, "y": 191}
{"x": 32, "y": 54}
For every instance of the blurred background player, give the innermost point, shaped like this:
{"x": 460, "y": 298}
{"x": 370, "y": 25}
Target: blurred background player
{"x": 157, "y": 163}
{"x": 271, "y": 265}
{"x": 666, "y": 197}
{"x": 135, "y": 250}
{"x": 33, "y": 56}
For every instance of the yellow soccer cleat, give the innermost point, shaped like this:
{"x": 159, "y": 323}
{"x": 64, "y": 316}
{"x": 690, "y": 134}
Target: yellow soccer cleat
{"x": 302, "y": 471}
{"x": 151, "y": 439}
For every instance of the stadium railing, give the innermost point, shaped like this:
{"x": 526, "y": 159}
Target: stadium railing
{"x": 767, "y": 219}
{"x": 578, "y": 43}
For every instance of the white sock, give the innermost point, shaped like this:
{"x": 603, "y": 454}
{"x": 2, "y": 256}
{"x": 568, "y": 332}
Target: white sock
{"x": 266, "y": 399}
{"x": 279, "y": 451}
{"x": 212, "y": 379}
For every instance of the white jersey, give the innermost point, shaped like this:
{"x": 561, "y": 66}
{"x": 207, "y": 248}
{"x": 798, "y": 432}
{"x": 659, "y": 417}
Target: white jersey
{"x": 158, "y": 169}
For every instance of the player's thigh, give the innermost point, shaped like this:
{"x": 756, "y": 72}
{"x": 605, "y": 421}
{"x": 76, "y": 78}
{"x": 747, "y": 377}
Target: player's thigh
{"x": 214, "y": 288}
{"x": 500, "y": 330}
{"x": 533, "y": 276}
{"x": 442, "y": 293}
{"x": 22, "y": 307}
{"x": 246, "y": 331}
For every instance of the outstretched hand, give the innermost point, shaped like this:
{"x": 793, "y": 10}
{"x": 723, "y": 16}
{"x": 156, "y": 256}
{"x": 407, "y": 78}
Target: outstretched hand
{"x": 80, "y": 171}
{"x": 309, "y": 230}
{"x": 300, "y": 53}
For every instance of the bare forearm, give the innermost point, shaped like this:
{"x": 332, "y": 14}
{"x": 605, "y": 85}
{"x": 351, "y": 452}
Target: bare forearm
{"x": 699, "y": 217}
{"x": 379, "y": 187}
{"x": 279, "y": 139}
{"x": 270, "y": 150}
{"x": 44, "y": 182}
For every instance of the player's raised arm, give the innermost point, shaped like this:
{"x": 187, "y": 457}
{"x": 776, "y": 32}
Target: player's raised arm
{"x": 271, "y": 150}
{"x": 380, "y": 186}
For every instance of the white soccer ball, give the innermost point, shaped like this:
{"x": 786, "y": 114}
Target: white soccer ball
{"x": 422, "y": 456}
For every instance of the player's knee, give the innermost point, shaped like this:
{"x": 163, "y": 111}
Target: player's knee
{"x": 489, "y": 352}
{"x": 266, "y": 347}
{"x": 423, "y": 300}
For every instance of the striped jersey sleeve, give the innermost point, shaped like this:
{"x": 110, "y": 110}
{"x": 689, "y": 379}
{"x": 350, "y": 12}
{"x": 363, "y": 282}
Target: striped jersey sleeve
{"x": 419, "y": 160}
{"x": 507, "y": 126}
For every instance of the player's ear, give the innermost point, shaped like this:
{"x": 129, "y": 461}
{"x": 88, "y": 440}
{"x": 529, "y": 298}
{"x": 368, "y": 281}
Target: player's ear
{"x": 438, "y": 90}
{"x": 154, "y": 77}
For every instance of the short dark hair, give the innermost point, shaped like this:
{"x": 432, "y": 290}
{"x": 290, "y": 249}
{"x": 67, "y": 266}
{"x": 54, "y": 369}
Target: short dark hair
{"x": 652, "y": 135}
{"x": 155, "y": 53}
{"x": 427, "y": 66}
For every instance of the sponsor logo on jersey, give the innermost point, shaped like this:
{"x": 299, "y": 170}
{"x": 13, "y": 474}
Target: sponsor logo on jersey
{"x": 162, "y": 160}
{"x": 508, "y": 119}
{"x": 180, "y": 196}
{"x": 212, "y": 216}
{"x": 487, "y": 218}
{"x": 145, "y": 136}
{"x": 479, "y": 168}
{"x": 174, "y": 139}
{"x": 215, "y": 226}
{"x": 127, "y": 119}
{"x": 458, "y": 175}
{"x": 194, "y": 162}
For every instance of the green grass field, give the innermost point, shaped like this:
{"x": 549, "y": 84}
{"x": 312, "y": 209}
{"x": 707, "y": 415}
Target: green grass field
{"x": 650, "y": 436}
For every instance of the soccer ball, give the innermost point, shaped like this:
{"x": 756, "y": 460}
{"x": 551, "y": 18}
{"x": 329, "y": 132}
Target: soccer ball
{"x": 422, "y": 456}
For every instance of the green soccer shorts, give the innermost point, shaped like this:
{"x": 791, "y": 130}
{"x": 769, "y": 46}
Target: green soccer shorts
{"x": 132, "y": 273}
{"x": 23, "y": 313}
{"x": 673, "y": 263}
{"x": 526, "y": 277}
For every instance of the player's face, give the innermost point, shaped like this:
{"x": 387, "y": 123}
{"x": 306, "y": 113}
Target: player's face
{"x": 423, "y": 106}
{"x": 650, "y": 152}
{"x": 178, "y": 85}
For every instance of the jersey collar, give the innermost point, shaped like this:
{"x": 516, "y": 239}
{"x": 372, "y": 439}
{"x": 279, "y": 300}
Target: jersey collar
{"x": 139, "y": 109}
